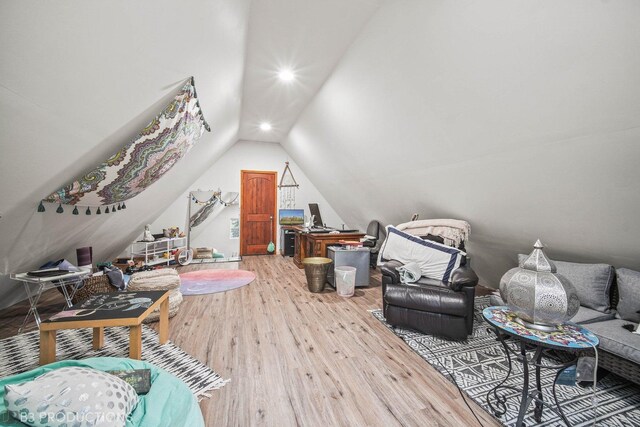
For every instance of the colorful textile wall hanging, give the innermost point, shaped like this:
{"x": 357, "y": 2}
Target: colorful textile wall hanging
{"x": 140, "y": 163}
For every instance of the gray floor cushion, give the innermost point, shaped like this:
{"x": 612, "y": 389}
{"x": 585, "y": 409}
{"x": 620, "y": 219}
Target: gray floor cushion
{"x": 617, "y": 340}
{"x": 586, "y": 315}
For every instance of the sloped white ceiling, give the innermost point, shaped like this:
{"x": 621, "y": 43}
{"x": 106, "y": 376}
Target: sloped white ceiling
{"x": 521, "y": 117}
{"x": 80, "y": 78}
{"x": 307, "y": 37}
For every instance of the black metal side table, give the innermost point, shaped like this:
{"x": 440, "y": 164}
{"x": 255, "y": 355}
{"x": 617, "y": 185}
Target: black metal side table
{"x": 529, "y": 346}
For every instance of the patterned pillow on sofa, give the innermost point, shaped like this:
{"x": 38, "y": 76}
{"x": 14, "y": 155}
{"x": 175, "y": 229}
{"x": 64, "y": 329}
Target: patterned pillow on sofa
{"x": 71, "y": 396}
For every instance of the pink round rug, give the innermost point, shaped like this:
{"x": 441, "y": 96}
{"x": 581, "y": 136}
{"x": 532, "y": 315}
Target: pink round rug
{"x": 211, "y": 281}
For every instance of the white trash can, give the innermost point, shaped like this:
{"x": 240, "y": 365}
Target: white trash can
{"x": 345, "y": 280}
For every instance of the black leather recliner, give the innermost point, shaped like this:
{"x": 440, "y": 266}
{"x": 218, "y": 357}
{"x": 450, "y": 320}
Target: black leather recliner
{"x": 430, "y": 306}
{"x": 377, "y": 234}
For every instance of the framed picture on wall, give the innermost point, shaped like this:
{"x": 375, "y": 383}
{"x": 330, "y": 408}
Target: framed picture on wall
{"x": 234, "y": 228}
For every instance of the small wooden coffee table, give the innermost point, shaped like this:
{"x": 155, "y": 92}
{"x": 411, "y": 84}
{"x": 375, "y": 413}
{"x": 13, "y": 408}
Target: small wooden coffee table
{"x": 105, "y": 310}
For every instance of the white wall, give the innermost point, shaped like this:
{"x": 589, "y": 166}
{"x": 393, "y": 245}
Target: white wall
{"x": 521, "y": 117}
{"x": 225, "y": 174}
{"x": 79, "y": 79}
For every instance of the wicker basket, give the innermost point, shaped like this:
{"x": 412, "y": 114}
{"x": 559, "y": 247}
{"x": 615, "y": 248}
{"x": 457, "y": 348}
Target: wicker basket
{"x": 91, "y": 286}
{"x": 623, "y": 367}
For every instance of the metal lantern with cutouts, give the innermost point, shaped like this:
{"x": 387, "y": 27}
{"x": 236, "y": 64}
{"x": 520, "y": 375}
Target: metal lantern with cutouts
{"x": 541, "y": 298}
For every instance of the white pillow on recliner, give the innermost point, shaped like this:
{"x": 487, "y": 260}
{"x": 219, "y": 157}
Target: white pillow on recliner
{"x": 436, "y": 261}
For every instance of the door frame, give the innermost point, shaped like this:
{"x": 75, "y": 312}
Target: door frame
{"x": 274, "y": 231}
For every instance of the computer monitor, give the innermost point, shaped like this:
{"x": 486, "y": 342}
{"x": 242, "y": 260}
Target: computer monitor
{"x": 291, "y": 216}
{"x": 315, "y": 211}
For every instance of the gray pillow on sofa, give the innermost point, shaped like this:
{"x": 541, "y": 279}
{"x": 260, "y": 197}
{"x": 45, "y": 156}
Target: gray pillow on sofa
{"x": 592, "y": 282}
{"x": 629, "y": 290}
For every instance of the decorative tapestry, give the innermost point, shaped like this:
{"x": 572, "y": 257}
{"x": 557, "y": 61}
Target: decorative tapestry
{"x": 141, "y": 162}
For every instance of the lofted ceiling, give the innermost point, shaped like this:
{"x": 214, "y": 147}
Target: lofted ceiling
{"x": 307, "y": 37}
{"x": 472, "y": 99}
{"x": 79, "y": 77}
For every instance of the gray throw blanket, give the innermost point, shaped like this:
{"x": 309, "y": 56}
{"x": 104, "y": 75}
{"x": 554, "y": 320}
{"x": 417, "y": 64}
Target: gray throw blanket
{"x": 116, "y": 278}
{"x": 452, "y": 231}
{"x": 410, "y": 272}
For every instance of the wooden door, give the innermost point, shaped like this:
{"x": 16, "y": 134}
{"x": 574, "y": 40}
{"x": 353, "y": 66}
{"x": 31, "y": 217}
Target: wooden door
{"x": 258, "y": 196}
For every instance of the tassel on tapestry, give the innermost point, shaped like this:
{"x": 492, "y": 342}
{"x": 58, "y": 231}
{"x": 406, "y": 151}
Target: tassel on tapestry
{"x": 141, "y": 162}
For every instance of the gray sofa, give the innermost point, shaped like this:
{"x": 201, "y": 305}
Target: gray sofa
{"x": 610, "y": 308}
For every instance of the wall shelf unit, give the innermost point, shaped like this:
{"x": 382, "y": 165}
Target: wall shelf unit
{"x": 153, "y": 252}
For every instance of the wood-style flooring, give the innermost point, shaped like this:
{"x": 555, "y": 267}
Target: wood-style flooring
{"x": 297, "y": 358}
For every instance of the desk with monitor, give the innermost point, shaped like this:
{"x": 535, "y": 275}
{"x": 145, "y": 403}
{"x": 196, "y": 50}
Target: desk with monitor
{"x": 313, "y": 242}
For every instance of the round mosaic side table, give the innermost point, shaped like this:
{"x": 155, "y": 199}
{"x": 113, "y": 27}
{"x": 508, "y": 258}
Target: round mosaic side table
{"x": 569, "y": 337}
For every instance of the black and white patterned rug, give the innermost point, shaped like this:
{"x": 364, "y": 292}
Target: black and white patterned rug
{"x": 479, "y": 364}
{"x": 20, "y": 354}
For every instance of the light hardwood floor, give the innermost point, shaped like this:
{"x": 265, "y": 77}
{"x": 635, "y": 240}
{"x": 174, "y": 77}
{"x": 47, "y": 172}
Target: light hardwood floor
{"x": 297, "y": 358}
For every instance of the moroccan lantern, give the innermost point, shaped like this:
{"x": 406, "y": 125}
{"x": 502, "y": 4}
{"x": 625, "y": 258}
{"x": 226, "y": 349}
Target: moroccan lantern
{"x": 540, "y": 297}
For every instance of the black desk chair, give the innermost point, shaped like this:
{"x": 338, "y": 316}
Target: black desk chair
{"x": 376, "y": 234}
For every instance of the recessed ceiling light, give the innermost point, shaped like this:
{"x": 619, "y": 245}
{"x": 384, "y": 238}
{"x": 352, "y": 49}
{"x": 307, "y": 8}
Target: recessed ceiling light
{"x": 264, "y": 126}
{"x": 286, "y": 75}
